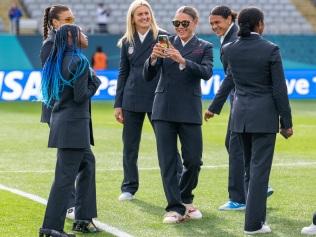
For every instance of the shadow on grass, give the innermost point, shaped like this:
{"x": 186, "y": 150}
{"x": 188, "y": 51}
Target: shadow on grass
{"x": 198, "y": 227}
{"x": 189, "y": 228}
{"x": 149, "y": 207}
{"x": 286, "y": 227}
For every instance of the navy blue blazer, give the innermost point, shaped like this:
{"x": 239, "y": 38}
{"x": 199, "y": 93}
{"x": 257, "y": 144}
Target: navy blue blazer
{"x": 44, "y": 53}
{"x": 261, "y": 94}
{"x": 227, "y": 86}
{"x": 133, "y": 93}
{"x": 70, "y": 123}
{"x": 178, "y": 94}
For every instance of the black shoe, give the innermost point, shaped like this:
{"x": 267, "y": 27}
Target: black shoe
{"x": 43, "y": 232}
{"x": 84, "y": 226}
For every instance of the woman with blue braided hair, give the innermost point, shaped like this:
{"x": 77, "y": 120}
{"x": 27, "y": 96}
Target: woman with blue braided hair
{"x": 67, "y": 87}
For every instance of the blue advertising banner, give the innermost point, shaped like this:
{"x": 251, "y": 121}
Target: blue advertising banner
{"x": 19, "y": 85}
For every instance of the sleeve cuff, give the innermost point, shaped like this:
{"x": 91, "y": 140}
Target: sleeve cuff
{"x": 213, "y": 109}
{"x": 153, "y": 62}
{"x": 286, "y": 123}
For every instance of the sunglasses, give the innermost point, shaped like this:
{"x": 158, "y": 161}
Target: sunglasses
{"x": 184, "y": 23}
{"x": 69, "y": 20}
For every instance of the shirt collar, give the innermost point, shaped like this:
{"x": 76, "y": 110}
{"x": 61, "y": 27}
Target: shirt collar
{"x": 223, "y": 37}
{"x": 142, "y": 37}
{"x": 184, "y": 43}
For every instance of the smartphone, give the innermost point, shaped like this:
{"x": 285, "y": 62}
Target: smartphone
{"x": 163, "y": 40}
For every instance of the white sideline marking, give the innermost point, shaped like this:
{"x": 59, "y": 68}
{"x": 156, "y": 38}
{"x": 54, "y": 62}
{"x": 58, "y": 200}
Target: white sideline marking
{"x": 107, "y": 228}
{"x": 24, "y": 194}
{"x": 157, "y": 168}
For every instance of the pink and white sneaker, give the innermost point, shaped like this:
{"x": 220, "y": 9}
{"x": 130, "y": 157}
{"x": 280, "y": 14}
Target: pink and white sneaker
{"x": 173, "y": 217}
{"x": 192, "y": 212}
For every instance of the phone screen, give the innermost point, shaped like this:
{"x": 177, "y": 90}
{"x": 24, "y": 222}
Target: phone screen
{"x": 163, "y": 40}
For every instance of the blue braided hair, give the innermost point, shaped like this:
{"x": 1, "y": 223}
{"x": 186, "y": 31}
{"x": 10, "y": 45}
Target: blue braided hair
{"x": 53, "y": 83}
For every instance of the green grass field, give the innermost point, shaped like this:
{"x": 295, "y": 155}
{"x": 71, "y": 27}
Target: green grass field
{"x": 27, "y": 164}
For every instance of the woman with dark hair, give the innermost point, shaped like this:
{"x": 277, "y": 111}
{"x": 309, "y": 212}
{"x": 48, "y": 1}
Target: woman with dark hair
{"x": 260, "y": 104}
{"x": 177, "y": 110}
{"x": 222, "y": 21}
{"x": 67, "y": 88}
{"x": 54, "y": 17}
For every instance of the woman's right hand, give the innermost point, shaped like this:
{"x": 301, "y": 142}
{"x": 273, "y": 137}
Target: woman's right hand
{"x": 207, "y": 115}
{"x": 118, "y": 113}
{"x": 286, "y": 132}
{"x": 158, "y": 52}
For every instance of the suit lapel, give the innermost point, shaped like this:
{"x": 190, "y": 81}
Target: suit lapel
{"x": 189, "y": 47}
{"x": 229, "y": 35}
{"x": 140, "y": 48}
{"x": 177, "y": 43}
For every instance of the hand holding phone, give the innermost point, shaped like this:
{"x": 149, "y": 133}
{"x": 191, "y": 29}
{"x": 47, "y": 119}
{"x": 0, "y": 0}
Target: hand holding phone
{"x": 164, "y": 41}
{"x": 159, "y": 50}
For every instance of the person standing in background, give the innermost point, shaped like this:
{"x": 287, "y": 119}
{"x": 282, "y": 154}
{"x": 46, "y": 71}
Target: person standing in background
{"x": 99, "y": 59}
{"x": 103, "y": 15}
{"x": 68, "y": 88}
{"x": 260, "y": 104}
{"x": 14, "y": 15}
{"x": 134, "y": 96}
{"x": 177, "y": 110}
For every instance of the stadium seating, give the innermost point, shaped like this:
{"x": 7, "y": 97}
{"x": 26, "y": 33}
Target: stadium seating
{"x": 281, "y": 16}
{"x": 28, "y": 25}
{"x": 1, "y": 25}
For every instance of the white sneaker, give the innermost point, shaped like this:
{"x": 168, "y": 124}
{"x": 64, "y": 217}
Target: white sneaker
{"x": 126, "y": 196}
{"x": 172, "y": 217}
{"x": 70, "y": 214}
{"x": 192, "y": 212}
{"x": 264, "y": 229}
{"x": 309, "y": 230}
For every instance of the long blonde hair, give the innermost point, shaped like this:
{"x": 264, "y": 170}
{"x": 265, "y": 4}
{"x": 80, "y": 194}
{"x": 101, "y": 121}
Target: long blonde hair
{"x": 130, "y": 27}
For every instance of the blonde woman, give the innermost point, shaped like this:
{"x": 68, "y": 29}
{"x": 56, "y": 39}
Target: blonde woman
{"x": 134, "y": 96}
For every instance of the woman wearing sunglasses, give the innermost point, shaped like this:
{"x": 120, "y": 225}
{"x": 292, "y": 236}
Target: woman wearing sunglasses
{"x": 67, "y": 88}
{"x": 177, "y": 110}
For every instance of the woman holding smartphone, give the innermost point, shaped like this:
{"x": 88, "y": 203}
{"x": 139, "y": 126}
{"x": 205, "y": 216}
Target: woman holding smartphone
{"x": 177, "y": 110}
{"x": 134, "y": 96}
{"x": 67, "y": 87}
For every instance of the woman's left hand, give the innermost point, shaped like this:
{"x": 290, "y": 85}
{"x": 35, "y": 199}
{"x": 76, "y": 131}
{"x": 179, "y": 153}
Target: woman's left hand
{"x": 175, "y": 55}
